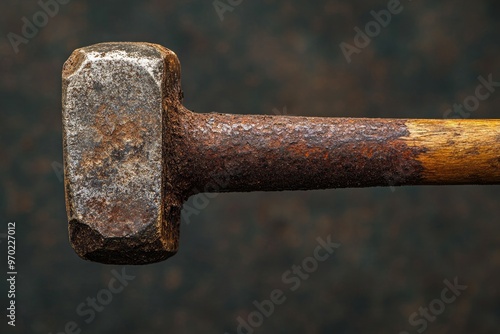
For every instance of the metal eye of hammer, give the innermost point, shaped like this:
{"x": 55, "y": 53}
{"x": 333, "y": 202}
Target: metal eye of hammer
{"x": 133, "y": 154}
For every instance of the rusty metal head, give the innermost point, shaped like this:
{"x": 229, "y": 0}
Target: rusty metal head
{"x": 115, "y": 102}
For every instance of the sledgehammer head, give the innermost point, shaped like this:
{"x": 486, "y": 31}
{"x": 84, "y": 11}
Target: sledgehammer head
{"x": 116, "y": 100}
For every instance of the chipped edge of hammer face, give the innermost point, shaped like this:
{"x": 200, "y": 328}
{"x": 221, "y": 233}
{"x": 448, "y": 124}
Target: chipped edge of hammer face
{"x": 114, "y": 128}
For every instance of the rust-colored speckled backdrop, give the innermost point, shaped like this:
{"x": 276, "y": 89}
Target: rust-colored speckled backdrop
{"x": 400, "y": 248}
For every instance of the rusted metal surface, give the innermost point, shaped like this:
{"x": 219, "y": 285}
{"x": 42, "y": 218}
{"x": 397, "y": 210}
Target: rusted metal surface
{"x": 252, "y": 153}
{"x": 134, "y": 154}
{"x": 113, "y": 121}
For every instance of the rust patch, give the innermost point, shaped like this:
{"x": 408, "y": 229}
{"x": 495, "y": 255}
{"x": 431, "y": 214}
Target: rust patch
{"x": 113, "y": 134}
{"x": 116, "y": 139}
{"x": 72, "y": 64}
{"x": 313, "y": 152}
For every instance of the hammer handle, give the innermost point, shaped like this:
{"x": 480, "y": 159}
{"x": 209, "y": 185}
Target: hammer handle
{"x": 260, "y": 153}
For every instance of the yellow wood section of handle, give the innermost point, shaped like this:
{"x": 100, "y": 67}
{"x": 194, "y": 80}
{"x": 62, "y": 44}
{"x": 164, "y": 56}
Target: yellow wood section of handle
{"x": 457, "y": 151}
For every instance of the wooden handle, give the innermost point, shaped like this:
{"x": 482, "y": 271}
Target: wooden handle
{"x": 457, "y": 151}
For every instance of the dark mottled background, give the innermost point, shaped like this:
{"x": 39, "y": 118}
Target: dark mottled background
{"x": 266, "y": 57}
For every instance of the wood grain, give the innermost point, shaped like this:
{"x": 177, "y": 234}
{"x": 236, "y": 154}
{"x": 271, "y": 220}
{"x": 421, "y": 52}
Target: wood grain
{"x": 457, "y": 151}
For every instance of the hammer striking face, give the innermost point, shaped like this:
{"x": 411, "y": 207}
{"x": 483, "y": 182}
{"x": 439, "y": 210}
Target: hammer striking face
{"x": 114, "y": 127}
{"x": 133, "y": 154}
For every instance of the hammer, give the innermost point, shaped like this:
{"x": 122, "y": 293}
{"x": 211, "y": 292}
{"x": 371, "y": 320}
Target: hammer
{"x": 133, "y": 153}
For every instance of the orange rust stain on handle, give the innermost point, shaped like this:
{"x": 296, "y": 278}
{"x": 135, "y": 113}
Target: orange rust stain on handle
{"x": 457, "y": 151}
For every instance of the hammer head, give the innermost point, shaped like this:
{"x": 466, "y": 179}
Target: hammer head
{"x": 116, "y": 103}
